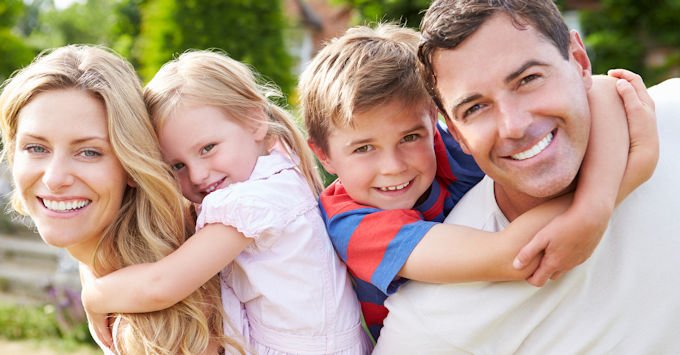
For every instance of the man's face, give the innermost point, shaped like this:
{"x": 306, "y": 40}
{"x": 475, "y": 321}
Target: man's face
{"x": 518, "y": 107}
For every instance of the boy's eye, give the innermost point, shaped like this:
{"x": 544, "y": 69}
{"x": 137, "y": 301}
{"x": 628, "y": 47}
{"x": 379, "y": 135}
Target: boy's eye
{"x": 410, "y": 137}
{"x": 363, "y": 149}
{"x": 177, "y": 166}
{"x": 207, "y": 148}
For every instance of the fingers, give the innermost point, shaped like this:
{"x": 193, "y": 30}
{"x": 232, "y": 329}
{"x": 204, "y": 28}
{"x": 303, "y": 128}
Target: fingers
{"x": 101, "y": 328}
{"x": 636, "y": 81}
{"x": 556, "y": 276}
{"x": 631, "y": 99}
{"x": 530, "y": 251}
{"x": 542, "y": 274}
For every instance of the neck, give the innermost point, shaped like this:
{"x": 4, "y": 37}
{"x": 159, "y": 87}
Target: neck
{"x": 514, "y": 203}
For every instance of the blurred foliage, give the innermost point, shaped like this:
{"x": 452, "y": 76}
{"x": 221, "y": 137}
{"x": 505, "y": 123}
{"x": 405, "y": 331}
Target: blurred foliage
{"x": 249, "y": 31}
{"x": 406, "y": 12}
{"x": 619, "y": 33}
{"x": 623, "y": 33}
{"x": 14, "y": 52}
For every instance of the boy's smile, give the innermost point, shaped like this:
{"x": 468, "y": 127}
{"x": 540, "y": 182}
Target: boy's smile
{"x": 385, "y": 159}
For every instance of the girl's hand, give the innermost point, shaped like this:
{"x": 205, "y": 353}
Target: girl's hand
{"x": 98, "y": 321}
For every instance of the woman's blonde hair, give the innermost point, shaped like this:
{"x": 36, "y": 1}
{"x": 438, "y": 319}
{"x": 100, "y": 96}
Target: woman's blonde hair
{"x": 214, "y": 79}
{"x": 153, "y": 219}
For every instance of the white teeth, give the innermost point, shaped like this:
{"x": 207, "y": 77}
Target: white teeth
{"x": 533, "y": 151}
{"x": 210, "y": 189}
{"x": 61, "y": 206}
{"x": 396, "y": 187}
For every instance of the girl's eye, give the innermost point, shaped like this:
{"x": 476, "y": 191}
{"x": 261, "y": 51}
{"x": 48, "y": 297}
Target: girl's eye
{"x": 410, "y": 137}
{"x": 35, "y": 149}
{"x": 207, "y": 148}
{"x": 177, "y": 166}
{"x": 363, "y": 149}
{"x": 90, "y": 153}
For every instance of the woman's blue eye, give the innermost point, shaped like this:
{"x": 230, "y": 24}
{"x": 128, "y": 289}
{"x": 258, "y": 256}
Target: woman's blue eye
{"x": 89, "y": 153}
{"x": 35, "y": 149}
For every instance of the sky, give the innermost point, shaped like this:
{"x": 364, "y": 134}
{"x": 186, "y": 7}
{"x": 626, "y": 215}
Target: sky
{"x": 62, "y": 4}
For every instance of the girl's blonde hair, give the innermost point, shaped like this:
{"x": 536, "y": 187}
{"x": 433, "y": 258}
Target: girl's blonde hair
{"x": 153, "y": 219}
{"x": 214, "y": 79}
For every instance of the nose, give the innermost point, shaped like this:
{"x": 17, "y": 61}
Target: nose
{"x": 513, "y": 119}
{"x": 58, "y": 173}
{"x": 393, "y": 162}
{"x": 198, "y": 173}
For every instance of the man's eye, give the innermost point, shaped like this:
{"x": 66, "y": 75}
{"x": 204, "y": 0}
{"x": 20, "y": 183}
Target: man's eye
{"x": 529, "y": 78}
{"x": 472, "y": 109}
{"x": 177, "y": 166}
{"x": 207, "y": 148}
{"x": 363, "y": 149}
{"x": 410, "y": 137}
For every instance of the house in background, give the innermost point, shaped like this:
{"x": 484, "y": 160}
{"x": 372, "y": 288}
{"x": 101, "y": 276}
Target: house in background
{"x": 313, "y": 23}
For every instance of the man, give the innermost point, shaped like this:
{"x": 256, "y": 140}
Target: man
{"x": 500, "y": 74}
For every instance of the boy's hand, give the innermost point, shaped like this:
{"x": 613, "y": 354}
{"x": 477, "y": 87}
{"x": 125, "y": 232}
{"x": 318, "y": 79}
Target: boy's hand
{"x": 561, "y": 250}
{"x": 98, "y": 321}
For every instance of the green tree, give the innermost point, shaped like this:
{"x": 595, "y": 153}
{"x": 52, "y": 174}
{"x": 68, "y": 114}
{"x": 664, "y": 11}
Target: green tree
{"x": 249, "y": 31}
{"x": 13, "y": 52}
{"x": 625, "y": 33}
{"x": 407, "y": 12}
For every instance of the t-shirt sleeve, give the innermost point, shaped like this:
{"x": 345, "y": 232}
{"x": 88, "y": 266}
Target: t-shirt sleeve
{"x": 249, "y": 213}
{"x": 374, "y": 243}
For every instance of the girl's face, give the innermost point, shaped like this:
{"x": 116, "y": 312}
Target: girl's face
{"x": 208, "y": 150}
{"x": 70, "y": 182}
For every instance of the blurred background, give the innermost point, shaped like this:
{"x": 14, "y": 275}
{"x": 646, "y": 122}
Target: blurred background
{"x": 40, "y": 310}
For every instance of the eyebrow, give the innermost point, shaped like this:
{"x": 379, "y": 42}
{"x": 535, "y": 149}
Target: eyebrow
{"x": 77, "y": 141}
{"x": 416, "y": 127}
{"x": 508, "y": 79}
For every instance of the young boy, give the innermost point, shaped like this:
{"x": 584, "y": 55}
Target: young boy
{"x": 372, "y": 123}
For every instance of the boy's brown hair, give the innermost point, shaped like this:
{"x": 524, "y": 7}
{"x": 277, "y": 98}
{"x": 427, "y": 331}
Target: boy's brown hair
{"x": 447, "y": 23}
{"x": 356, "y": 72}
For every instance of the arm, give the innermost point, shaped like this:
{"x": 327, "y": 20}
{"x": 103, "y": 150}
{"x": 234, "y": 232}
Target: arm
{"x": 571, "y": 238}
{"x": 155, "y": 286}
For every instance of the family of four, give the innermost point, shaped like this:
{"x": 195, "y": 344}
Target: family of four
{"x": 492, "y": 197}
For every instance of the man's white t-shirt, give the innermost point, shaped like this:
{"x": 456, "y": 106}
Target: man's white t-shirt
{"x": 625, "y": 299}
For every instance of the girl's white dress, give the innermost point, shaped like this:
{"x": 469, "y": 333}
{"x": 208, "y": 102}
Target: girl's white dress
{"x": 287, "y": 292}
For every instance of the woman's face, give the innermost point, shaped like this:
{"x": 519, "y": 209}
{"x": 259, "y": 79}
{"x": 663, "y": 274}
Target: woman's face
{"x": 68, "y": 177}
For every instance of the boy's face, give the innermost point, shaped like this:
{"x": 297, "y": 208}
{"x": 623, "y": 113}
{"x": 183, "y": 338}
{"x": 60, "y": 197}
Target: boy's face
{"x": 387, "y": 159}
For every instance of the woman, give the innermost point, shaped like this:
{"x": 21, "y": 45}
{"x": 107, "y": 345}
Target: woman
{"x": 88, "y": 171}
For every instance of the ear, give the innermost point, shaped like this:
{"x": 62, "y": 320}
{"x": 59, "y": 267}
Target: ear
{"x": 261, "y": 128}
{"x": 130, "y": 182}
{"x": 578, "y": 52}
{"x": 324, "y": 159}
{"x": 457, "y": 136}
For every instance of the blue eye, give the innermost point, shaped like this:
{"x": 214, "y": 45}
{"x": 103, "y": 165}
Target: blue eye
{"x": 36, "y": 149}
{"x": 90, "y": 153}
{"x": 177, "y": 166}
{"x": 207, "y": 148}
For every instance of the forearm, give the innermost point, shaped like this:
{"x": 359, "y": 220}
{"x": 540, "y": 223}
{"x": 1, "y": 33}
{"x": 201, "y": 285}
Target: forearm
{"x": 600, "y": 181}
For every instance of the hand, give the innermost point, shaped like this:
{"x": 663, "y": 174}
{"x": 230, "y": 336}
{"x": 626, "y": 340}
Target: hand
{"x": 563, "y": 244}
{"x": 640, "y": 110}
{"x": 98, "y": 321}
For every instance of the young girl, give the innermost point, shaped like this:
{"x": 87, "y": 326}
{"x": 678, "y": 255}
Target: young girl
{"x": 243, "y": 160}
